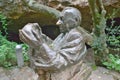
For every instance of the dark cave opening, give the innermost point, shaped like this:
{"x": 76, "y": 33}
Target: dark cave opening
{"x": 51, "y": 31}
{"x": 113, "y": 32}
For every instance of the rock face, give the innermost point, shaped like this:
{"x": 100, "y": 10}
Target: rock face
{"x": 101, "y": 74}
{"x": 31, "y": 9}
{"x": 82, "y": 5}
{"x": 27, "y": 73}
{"x": 81, "y": 72}
{"x": 24, "y": 73}
{"x": 21, "y": 12}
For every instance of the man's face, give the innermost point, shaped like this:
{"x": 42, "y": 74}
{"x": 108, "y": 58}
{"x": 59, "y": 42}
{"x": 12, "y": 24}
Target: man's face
{"x": 67, "y": 21}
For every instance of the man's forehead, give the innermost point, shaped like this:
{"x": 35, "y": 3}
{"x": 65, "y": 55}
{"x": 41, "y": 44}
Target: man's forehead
{"x": 67, "y": 12}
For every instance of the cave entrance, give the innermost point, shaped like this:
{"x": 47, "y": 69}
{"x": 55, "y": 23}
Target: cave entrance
{"x": 51, "y": 31}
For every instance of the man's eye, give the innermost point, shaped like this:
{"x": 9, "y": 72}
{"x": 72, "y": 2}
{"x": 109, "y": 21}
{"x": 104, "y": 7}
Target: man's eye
{"x": 61, "y": 18}
{"x": 76, "y": 19}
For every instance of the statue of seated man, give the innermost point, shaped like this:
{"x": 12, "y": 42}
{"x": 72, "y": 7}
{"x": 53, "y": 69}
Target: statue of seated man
{"x": 66, "y": 50}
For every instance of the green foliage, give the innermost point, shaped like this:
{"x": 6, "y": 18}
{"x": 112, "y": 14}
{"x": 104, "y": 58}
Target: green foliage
{"x": 8, "y": 54}
{"x": 113, "y": 13}
{"x": 100, "y": 38}
{"x": 99, "y": 23}
{"x": 3, "y": 21}
{"x": 25, "y": 52}
{"x": 113, "y": 62}
{"x": 113, "y": 36}
{"x": 7, "y": 48}
{"x": 97, "y": 46}
{"x": 114, "y": 41}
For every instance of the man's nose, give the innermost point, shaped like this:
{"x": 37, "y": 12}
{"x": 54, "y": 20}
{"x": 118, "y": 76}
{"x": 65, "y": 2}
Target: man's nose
{"x": 59, "y": 22}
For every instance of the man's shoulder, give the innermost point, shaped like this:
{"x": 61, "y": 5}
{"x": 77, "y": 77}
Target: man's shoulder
{"x": 75, "y": 32}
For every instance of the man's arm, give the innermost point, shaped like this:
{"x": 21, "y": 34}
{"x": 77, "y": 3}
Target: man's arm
{"x": 32, "y": 35}
{"x": 71, "y": 51}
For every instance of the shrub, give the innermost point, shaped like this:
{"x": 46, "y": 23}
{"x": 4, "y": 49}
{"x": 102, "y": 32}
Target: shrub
{"x": 8, "y": 54}
{"x": 7, "y": 48}
{"x": 113, "y": 62}
{"x": 3, "y": 23}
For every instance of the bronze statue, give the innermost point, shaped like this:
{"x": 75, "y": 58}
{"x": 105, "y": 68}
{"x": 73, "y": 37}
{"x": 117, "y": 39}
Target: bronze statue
{"x": 66, "y": 50}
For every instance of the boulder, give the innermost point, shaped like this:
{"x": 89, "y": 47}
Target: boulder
{"x": 102, "y": 73}
{"x": 3, "y": 74}
{"x": 86, "y": 73}
{"x": 24, "y": 73}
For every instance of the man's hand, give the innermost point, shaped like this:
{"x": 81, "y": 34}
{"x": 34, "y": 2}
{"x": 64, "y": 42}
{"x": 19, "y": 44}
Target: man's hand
{"x": 31, "y": 34}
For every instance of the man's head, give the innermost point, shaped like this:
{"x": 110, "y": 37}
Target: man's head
{"x": 70, "y": 18}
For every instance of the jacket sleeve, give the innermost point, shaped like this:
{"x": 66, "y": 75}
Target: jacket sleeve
{"x": 72, "y": 49}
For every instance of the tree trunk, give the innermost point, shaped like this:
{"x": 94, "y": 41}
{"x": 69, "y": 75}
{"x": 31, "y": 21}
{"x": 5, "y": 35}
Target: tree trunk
{"x": 99, "y": 22}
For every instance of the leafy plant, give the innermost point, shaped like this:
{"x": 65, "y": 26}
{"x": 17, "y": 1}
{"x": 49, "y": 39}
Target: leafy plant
{"x": 113, "y": 62}
{"x": 25, "y": 51}
{"x": 99, "y": 23}
{"x": 3, "y": 22}
{"x": 113, "y": 36}
{"x": 8, "y": 54}
{"x": 7, "y": 48}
